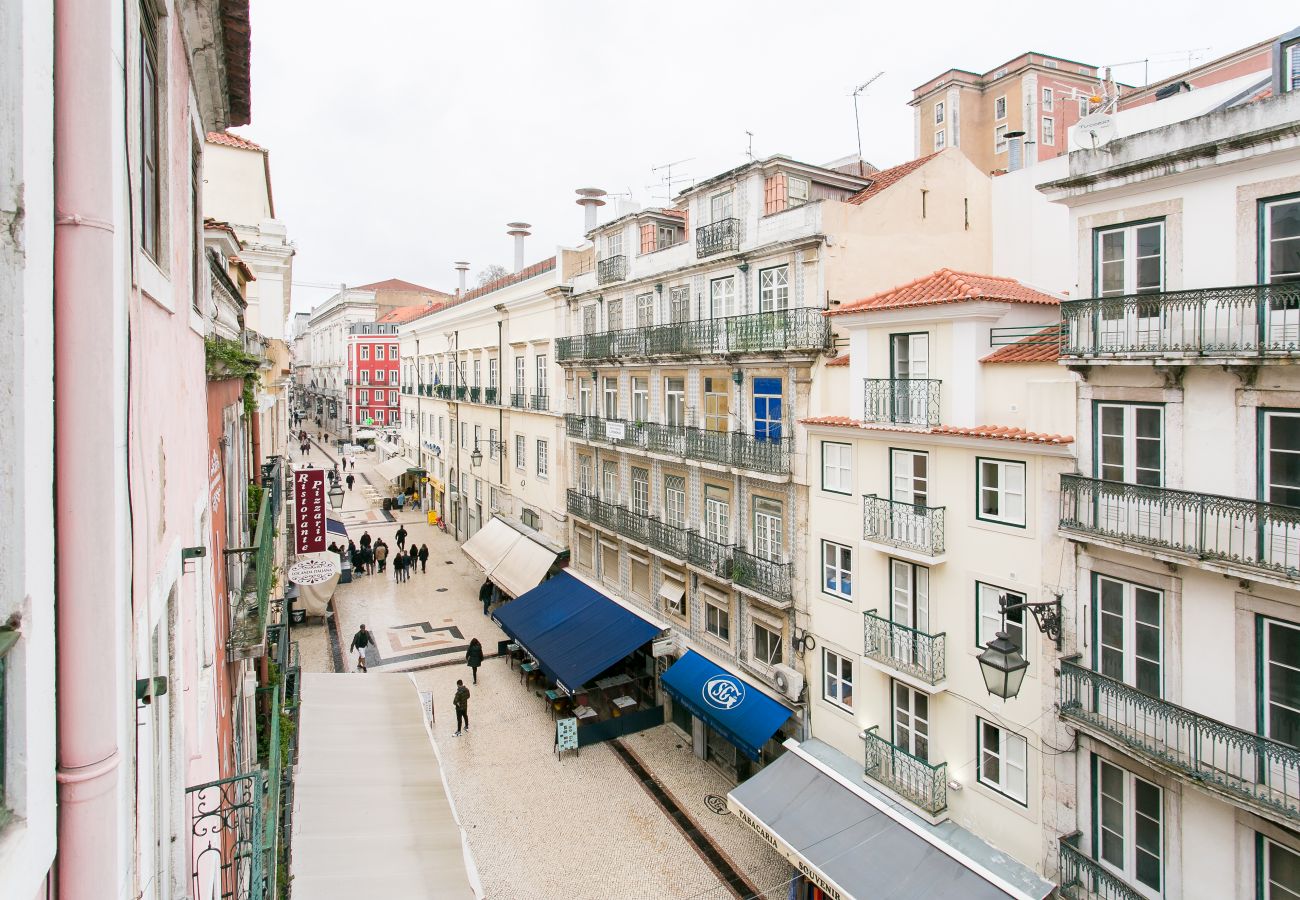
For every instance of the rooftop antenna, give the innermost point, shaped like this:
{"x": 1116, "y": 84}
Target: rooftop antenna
{"x": 668, "y": 181}
{"x": 750, "y": 151}
{"x": 857, "y": 123}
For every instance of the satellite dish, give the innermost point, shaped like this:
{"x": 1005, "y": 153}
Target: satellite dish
{"x": 1094, "y": 131}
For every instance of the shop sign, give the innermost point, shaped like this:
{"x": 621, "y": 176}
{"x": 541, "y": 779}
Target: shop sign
{"x": 312, "y": 571}
{"x": 309, "y": 505}
{"x": 724, "y": 692}
{"x": 615, "y": 431}
{"x": 566, "y": 734}
{"x": 805, "y": 868}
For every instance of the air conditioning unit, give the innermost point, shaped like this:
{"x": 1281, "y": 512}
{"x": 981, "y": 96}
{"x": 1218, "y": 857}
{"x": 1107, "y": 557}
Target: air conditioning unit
{"x": 788, "y": 682}
{"x": 666, "y": 647}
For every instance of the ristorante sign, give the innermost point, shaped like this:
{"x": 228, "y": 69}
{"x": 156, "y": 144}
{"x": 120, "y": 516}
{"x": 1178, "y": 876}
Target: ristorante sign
{"x": 309, "y": 504}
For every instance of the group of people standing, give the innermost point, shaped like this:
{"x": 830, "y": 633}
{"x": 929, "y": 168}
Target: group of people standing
{"x": 376, "y": 553}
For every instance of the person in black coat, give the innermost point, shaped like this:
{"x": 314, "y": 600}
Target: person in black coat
{"x": 424, "y": 558}
{"x": 401, "y": 537}
{"x": 474, "y": 657}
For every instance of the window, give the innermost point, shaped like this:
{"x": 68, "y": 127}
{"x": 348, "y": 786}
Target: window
{"x": 492, "y": 373}
{"x": 611, "y": 397}
{"x": 589, "y": 319}
{"x": 1083, "y": 107}
{"x": 379, "y": 374}
{"x": 609, "y": 562}
{"x": 1001, "y": 487}
{"x": 679, "y": 304}
{"x": 1291, "y": 66}
{"x": 767, "y": 529}
{"x": 614, "y": 315}
{"x": 394, "y": 415}
{"x": 911, "y": 721}
{"x": 645, "y": 310}
{"x": 910, "y": 480}
{"x": 938, "y": 113}
{"x": 837, "y": 467}
{"x": 521, "y": 454}
{"x": 541, "y": 374}
{"x": 543, "y": 462}
{"x": 365, "y": 351}
{"x": 1000, "y": 73}
{"x": 392, "y": 398}
{"x": 675, "y": 500}
{"x": 1000, "y": 108}
{"x": 464, "y": 435}
{"x": 1130, "y": 260}
{"x": 641, "y": 491}
{"x": 1047, "y": 99}
{"x": 1130, "y": 448}
{"x": 520, "y": 363}
{"x": 767, "y": 646}
{"x": 720, "y": 206}
{"x": 767, "y": 409}
{"x": 1279, "y": 871}
{"x": 717, "y": 522}
{"x": 584, "y": 474}
{"x": 774, "y": 289}
{"x": 379, "y": 351}
{"x": 1002, "y": 761}
{"x": 717, "y": 620}
{"x": 478, "y": 372}
{"x": 1000, "y": 139}
{"x": 675, "y": 401}
{"x": 837, "y": 681}
{"x": 478, "y": 436}
{"x": 837, "y": 570}
{"x": 392, "y": 351}
{"x": 1049, "y": 131}
{"x": 530, "y": 519}
{"x": 722, "y": 297}
{"x": 363, "y": 397}
{"x": 717, "y": 404}
{"x": 940, "y": 140}
{"x": 614, "y": 244}
{"x": 1128, "y": 820}
{"x": 1280, "y": 220}
{"x": 639, "y": 568}
{"x": 1280, "y": 462}
{"x": 797, "y": 191}
{"x": 988, "y": 615}
{"x": 909, "y": 598}
{"x": 1052, "y": 64}
{"x": 665, "y": 236}
{"x": 1128, "y": 643}
{"x": 492, "y": 443}
{"x": 640, "y": 400}
{"x": 1279, "y": 686}
{"x": 610, "y": 481}
{"x": 150, "y": 143}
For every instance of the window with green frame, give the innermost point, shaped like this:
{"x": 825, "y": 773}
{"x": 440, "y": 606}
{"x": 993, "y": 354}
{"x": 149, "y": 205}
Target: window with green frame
{"x": 1277, "y": 870}
{"x": 8, "y": 638}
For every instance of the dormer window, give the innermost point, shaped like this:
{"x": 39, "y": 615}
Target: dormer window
{"x": 1291, "y": 66}
{"x": 665, "y": 237}
{"x": 797, "y": 190}
{"x": 614, "y": 244}
{"x": 720, "y": 206}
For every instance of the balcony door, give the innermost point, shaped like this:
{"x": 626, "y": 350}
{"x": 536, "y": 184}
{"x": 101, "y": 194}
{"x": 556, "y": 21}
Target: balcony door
{"x": 909, "y": 488}
{"x": 1130, "y": 259}
{"x": 909, "y": 365}
{"x": 1129, "y": 820}
{"x": 909, "y": 592}
{"x": 1280, "y": 469}
{"x": 767, "y": 409}
{"x": 768, "y": 528}
{"x": 1130, "y": 453}
{"x": 722, "y": 297}
{"x": 1280, "y": 264}
{"x": 1279, "y": 701}
{"x": 912, "y": 722}
{"x": 1129, "y": 647}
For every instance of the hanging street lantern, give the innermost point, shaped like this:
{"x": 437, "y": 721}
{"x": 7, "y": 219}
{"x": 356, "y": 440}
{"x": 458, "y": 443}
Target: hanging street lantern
{"x": 336, "y": 496}
{"x": 1002, "y": 663}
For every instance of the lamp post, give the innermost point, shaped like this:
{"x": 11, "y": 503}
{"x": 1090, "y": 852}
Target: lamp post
{"x": 1002, "y": 663}
{"x": 336, "y": 496}
{"x": 476, "y": 455}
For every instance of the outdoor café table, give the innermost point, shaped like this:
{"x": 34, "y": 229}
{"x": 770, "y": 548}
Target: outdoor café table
{"x": 513, "y": 648}
{"x": 584, "y": 712}
{"x": 613, "y": 681}
{"x": 552, "y": 698}
{"x": 623, "y": 702}
{"x": 525, "y": 670}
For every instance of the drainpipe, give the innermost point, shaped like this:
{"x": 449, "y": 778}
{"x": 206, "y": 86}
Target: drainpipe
{"x": 501, "y": 423}
{"x": 89, "y": 457}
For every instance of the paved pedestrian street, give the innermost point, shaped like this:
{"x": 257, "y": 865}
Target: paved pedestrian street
{"x": 582, "y": 826}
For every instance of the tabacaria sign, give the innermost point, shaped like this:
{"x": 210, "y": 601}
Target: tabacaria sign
{"x": 780, "y": 845}
{"x": 309, "y": 504}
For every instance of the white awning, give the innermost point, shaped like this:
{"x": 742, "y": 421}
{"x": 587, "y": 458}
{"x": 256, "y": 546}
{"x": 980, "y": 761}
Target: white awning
{"x": 490, "y": 544}
{"x": 509, "y": 558}
{"x": 672, "y": 591}
{"x": 391, "y": 469}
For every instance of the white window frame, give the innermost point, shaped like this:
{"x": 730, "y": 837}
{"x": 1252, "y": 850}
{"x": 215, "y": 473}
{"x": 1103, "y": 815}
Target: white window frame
{"x": 1266, "y": 874}
{"x": 363, "y": 398}
{"x": 717, "y": 513}
{"x": 1000, "y": 138}
{"x": 379, "y": 351}
{"x": 774, "y": 288}
{"x": 837, "y": 472}
{"x": 769, "y": 528}
{"x": 988, "y": 615}
{"x": 1130, "y": 259}
{"x": 1008, "y": 756}
{"x": 640, "y": 491}
{"x": 940, "y": 140}
{"x": 1047, "y": 135}
{"x": 521, "y": 449}
{"x": 1047, "y": 99}
{"x": 837, "y": 674}
{"x": 775, "y": 651}
{"x": 1000, "y": 103}
{"x": 1004, "y": 491}
{"x": 613, "y": 244}
{"x": 640, "y": 399}
{"x": 543, "y": 458}
{"x": 1129, "y": 594}
{"x": 675, "y": 501}
{"x": 798, "y": 191}
{"x": 721, "y": 206}
{"x": 837, "y": 570}
{"x": 717, "y": 619}
{"x": 1267, "y": 239}
{"x": 365, "y": 353}
{"x": 938, "y": 112}
{"x": 543, "y": 379}
{"x": 1130, "y": 783}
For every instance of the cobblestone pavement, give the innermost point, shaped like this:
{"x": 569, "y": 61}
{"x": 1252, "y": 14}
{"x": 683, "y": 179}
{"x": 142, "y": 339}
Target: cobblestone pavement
{"x": 539, "y": 827}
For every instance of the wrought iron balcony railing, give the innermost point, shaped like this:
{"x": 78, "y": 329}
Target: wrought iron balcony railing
{"x": 918, "y": 782}
{"x": 717, "y": 237}
{"x": 611, "y": 268}
{"x": 735, "y": 448}
{"x": 709, "y": 555}
{"x": 406, "y": 388}
{"x": 1083, "y": 878}
{"x": 901, "y": 401}
{"x": 634, "y": 524}
{"x": 541, "y": 401}
{"x": 911, "y": 526}
{"x": 1234, "y": 532}
{"x": 1219, "y": 757}
{"x": 226, "y": 825}
{"x": 518, "y": 400}
{"x": 668, "y": 538}
{"x": 247, "y": 637}
{"x": 593, "y": 509}
{"x": 581, "y": 427}
{"x": 1249, "y": 320}
{"x": 905, "y": 649}
{"x": 780, "y": 330}
{"x": 442, "y": 391}
{"x": 768, "y": 577}
{"x": 579, "y": 504}
{"x": 669, "y": 439}
{"x": 475, "y": 395}
{"x": 490, "y": 396}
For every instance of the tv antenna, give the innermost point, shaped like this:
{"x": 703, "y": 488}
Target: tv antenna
{"x": 750, "y": 151}
{"x": 857, "y": 124}
{"x": 668, "y": 182}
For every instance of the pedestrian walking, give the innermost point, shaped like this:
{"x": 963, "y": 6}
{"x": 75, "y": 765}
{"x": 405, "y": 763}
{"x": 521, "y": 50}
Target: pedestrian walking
{"x": 381, "y": 555}
{"x": 399, "y": 566}
{"x": 360, "y": 641}
{"x": 401, "y": 537}
{"x": 485, "y": 595}
{"x": 351, "y": 479}
{"x": 424, "y": 558}
{"x": 461, "y": 702}
{"x": 370, "y": 561}
{"x": 365, "y": 540}
{"x": 474, "y": 657}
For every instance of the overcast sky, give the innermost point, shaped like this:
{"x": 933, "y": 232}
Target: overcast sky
{"x": 404, "y": 134}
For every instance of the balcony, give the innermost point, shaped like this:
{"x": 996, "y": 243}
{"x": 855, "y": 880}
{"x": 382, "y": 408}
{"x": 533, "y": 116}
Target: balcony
{"x": 611, "y": 268}
{"x": 579, "y": 504}
{"x": 906, "y": 650}
{"x": 541, "y": 401}
{"x": 634, "y": 524}
{"x": 907, "y": 526}
{"x": 426, "y": 390}
{"x": 718, "y": 237}
{"x": 1083, "y": 878}
{"x": 580, "y": 427}
{"x": 667, "y": 538}
{"x": 247, "y": 637}
{"x": 490, "y": 396}
{"x": 764, "y": 576}
{"x": 901, "y": 401}
{"x": 461, "y": 392}
{"x": 1257, "y": 772}
{"x": 711, "y": 556}
{"x": 918, "y": 782}
{"x": 519, "y": 400}
{"x": 1228, "y": 534}
{"x": 776, "y": 331}
{"x": 475, "y": 395}
{"x": 593, "y": 509}
{"x": 735, "y": 448}
{"x": 669, "y": 439}
{"x": 1207, "y": 324}
{"x": 442, "y": 391}
{"x": 406, "y": 388}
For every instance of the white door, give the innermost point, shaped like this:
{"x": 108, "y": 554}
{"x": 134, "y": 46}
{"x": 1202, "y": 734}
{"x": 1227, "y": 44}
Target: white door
{"x": 1130, "y": 451}
{"x": 1281, "y": 468}
{"x": 722, "y": 297}
{"x": 912, "y": 721}
{"x": 909, "y": 515}
{"x": 1130, "y": 260}
{"x": 910, "y": 607}
{"x": 910, "y": 366}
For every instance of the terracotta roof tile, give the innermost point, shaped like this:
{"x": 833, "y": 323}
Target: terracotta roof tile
{"x": 992, "y": 432}
{"x": 1041, "y": 346}
{"x": 523, "y": 274}
{"x": 397, "y": 284}
{"x": 226, "y": 139}
{"x": 841, "y": 360}
{"x": 885, "y": 177}
{"x": 948, "y": 286}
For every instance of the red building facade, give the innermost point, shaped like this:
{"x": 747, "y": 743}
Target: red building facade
{"x": 372, "y": 383}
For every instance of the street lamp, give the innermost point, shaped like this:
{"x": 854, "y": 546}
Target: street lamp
{"x": 476, "y": 455}
{"x": 1002, "y": 664}
{"x": 336, "y": 496}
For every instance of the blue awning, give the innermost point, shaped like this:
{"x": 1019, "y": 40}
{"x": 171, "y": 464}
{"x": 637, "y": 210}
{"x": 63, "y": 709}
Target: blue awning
{"x": 742, "y": 714}
{"x": 575, "y": 632}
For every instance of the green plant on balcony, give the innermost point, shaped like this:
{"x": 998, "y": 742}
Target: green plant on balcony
{"x": 255, "y": 492}
{"x": 224, "y": 358}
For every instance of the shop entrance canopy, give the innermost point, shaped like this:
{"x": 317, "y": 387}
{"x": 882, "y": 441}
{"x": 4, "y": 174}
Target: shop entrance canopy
{"x": 393, "y": 468}
{"x": 511, "y": 560}
{"x": 743, "y": 714}
{"x": 574, "y": 631}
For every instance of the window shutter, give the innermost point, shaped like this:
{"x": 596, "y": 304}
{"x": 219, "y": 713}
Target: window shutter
{"x": 648, "y": 237}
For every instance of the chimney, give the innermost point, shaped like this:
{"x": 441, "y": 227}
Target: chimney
{"x": 519, "y": 231}
{"x": 589, "y": 200}
{"x": 461, "y": 268}
{"x": 1015, "y": 150}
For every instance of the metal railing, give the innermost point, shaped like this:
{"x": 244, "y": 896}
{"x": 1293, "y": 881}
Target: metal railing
{"x": 475, "y": 395}
{"x": 579, "y": 504}
{"x": 905, "y": 649}
{"x": 1244, "y": 534}
{"x": 669, "y": 439}
{"x": 226, "y": 829}
{"x": 668, "y": 538}
{"x": 1252, "y": 319}
{"x": 735, "y": 448}
{"x": 633, "y": 524}
{"x": 611, "y": 268}
{"x": 442, "y": 391}
{"x": 518, "y": 399}
{"x": 461, "y": 392}
{"x": 911, "y": 526}
{"x": 248, "y": 619}
{"x": 912, "y": 778}
{"x": 768, "y": 577}
{"x": 581, "y": 427}
{"x": 802, "y": 329}
{"x": 709, "y": 555}
{"x": 1083, "y": 878}
{"x": 901, "y": 401}
{"x": 541, "y": 401}
{"x": 1239, "y": 763}
{"x": 490, "y": 396}
{"x": 717, "y": 237}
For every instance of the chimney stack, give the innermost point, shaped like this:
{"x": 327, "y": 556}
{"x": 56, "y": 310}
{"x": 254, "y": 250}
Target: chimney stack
{"x": 589, "y": 200}
{"x": 519, "y": 231}
{"x": 461, "y": 268}
{"x": 1015, "y": 150}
